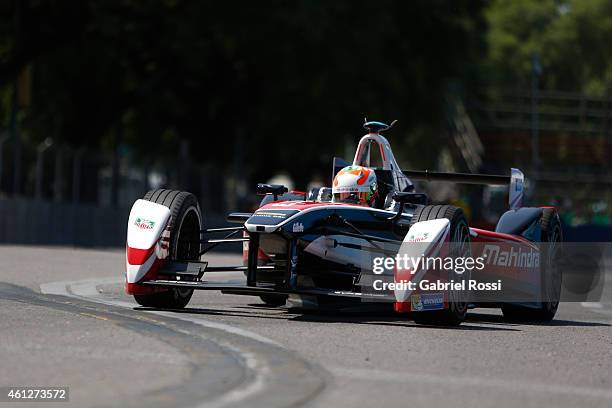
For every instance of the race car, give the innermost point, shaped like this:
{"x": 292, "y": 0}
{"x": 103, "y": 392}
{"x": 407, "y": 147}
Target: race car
{"x": 326, "y": 248}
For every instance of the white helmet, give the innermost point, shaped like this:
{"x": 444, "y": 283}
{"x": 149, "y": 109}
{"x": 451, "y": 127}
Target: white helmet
{"x": 355, "y": 184}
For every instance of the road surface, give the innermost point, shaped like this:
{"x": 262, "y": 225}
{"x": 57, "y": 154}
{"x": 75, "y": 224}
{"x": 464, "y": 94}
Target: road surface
{"x": 64, "y": 320}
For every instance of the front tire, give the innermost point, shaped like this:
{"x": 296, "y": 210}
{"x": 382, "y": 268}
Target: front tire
{"x": 459, "y": 247}
{"x": 184, "y": 243}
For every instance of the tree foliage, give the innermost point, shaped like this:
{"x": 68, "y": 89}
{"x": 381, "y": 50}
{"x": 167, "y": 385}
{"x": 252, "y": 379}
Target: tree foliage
{"x": 571, "y": 37}
{"x": 282, "y": 83}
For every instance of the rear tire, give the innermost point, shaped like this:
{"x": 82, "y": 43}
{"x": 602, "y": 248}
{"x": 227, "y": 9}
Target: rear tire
{"x": 459, "y": 246}
{"x": 552, "y": 234}
{"x": 184, "y": 243}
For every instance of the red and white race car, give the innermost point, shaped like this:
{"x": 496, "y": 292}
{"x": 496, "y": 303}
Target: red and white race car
{"x": 315, "y": 251}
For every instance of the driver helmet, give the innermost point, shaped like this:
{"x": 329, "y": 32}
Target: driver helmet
{"x": 355, "y": 184}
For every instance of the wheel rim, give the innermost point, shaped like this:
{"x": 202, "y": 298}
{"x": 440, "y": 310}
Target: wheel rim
{"x": 188, "y": 242}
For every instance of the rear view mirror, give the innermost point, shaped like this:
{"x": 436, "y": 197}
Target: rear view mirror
{"x": 274, "y": 189}
{"x": 404, "y": 198}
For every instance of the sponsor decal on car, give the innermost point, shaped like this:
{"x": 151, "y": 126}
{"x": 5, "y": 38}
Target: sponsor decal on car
{"x": 144, "y": 224}
{"x": 348, "y": 189}
{"x": 495, "y": 255}
{"x": 270, "y": 217}
{"x": 298, "y": 227}
{"x": 427, "y": 301}
{"x": 270, "y": 214}
{"x": 418, "y": 238}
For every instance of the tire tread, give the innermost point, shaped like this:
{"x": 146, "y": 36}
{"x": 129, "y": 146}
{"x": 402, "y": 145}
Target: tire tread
{"x": 175, "y": 201}
{"x": 454, "y": 215}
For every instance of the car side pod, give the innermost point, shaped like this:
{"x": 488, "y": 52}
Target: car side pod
{"x": 425, "y": 239}
{"x": 146, "y": 226}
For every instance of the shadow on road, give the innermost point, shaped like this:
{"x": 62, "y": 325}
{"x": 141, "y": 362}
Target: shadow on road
{"x": 474, "y": 321}
{"x": 367, "y": 318}
{"x": 391, "y": 320}
{"x": 499, "y": 319}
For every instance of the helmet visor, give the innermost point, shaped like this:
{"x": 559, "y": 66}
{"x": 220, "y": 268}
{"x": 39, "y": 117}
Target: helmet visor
{"x": 353, "y": 197}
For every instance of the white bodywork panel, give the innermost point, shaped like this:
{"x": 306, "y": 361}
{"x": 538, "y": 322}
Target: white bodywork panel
{"x": 329, "y": 247}
{"x": 362, "y": 158}
{"x": 362, "y": 155}
{"x": 146, "y": 223}
{"x": 424, "y": 239}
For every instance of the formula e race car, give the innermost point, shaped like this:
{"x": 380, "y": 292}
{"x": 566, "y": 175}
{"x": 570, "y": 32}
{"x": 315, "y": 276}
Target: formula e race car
{"x": 313, "y": 250}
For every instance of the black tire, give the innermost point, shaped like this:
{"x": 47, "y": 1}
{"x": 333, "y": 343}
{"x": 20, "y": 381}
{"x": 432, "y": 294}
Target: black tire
{"x": 184, "y": 244}
{"x": 552, "y": 234}
{"x": 460, "y": 242}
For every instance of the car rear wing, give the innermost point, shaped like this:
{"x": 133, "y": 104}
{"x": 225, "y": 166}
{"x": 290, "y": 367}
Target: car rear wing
{"x": 515, "y": 181}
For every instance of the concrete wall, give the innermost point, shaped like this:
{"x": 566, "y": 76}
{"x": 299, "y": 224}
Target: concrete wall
{"x": 24, "y": 221}
{"x": 27, "y": 221}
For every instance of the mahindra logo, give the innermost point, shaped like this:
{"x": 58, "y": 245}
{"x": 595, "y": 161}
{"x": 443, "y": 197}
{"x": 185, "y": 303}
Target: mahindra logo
{"x": 516, "y": 258}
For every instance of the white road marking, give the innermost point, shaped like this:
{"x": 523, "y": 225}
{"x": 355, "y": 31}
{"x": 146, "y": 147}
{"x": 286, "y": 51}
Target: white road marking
{"x": 596, "y": 307}
{"x": 462, "y": 380}
{"x": 87, "y": 290}
{"x": 592, "y": 305}
{"x": 242, "y": 393}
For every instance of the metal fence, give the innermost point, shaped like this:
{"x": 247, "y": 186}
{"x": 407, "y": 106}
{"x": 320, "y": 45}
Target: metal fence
{"x": 62, "y": 195}
{"x": 29, "y": 221}
{"x": 562, "y": 140}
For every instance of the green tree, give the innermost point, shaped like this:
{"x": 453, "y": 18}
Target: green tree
{"x": 571, "y": 37}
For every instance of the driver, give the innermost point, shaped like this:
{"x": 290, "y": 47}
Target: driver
{"x": 355, "y": 185}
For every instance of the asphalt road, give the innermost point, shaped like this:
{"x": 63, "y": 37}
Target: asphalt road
{"x": 64, "y": 320}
